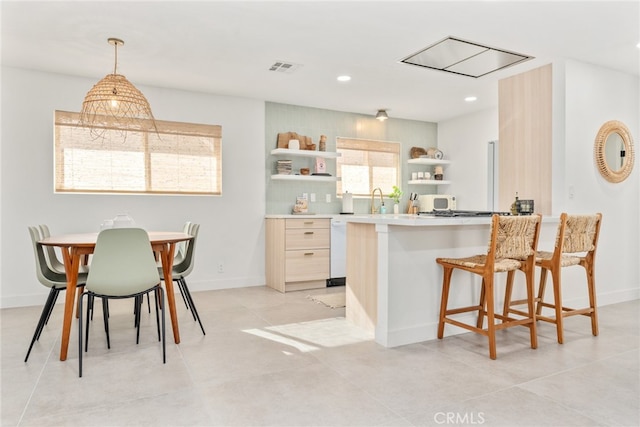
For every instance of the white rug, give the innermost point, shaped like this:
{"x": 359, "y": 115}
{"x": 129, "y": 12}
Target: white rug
{"x": 333, "y": 300}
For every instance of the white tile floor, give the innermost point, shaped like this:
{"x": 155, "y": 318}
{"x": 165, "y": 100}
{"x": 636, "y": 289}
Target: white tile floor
{"x": 270, "y": 359}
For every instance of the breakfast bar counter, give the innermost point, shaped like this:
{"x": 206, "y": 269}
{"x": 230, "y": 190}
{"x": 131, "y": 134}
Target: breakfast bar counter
{"x": 393, "y": 283}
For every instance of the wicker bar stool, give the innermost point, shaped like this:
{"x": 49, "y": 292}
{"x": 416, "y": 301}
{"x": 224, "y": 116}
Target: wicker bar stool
{"x": 512, "y": 247}
{"x": 576, "y": 243}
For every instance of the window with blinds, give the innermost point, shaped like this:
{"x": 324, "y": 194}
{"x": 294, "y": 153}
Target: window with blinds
{"x": 172, "y": 158}
{"x": 365, "y": 165}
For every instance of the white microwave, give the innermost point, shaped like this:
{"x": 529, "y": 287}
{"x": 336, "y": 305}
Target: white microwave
{"x": 436, "y": 202}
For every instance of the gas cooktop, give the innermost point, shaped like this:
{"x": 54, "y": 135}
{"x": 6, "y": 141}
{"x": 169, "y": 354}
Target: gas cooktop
{"x": 455, "y": 213}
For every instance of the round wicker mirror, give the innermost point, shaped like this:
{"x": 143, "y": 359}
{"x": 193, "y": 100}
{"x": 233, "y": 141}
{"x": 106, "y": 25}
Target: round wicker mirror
{"x": 613, "y": 151}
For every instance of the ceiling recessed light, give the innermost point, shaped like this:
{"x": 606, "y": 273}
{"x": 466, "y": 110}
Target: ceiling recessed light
{"x": 344, "y": 78}
{"x": 471, "y": 98}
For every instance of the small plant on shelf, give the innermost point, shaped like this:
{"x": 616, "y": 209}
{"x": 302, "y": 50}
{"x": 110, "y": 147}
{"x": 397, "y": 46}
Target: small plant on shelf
{"x": 396, "y": 194}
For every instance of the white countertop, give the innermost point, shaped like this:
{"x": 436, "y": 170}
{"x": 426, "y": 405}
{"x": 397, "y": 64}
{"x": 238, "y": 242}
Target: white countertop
{"x": 290, "y": 216}
{"x": 405, "y": 219}
{"x": 414, "y": 220}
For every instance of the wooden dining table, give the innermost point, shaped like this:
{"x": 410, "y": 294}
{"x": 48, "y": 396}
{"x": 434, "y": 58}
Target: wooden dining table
{"x": 75, "y": 247}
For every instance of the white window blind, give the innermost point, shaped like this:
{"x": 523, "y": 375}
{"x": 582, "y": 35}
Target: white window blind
{"x": 180, "y": 158}
{"x": 366, "y": 164}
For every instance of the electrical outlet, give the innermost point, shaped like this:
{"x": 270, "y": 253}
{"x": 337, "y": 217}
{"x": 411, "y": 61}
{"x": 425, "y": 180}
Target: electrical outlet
{"x": 313, "y": 197}
{"x": 220, "y": 268}
{"x": 328, "y": 198}
{"x": 305, "y": 195}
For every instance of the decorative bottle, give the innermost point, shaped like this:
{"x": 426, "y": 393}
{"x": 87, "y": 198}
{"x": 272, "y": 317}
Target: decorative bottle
{"x": 515, "y": 206}
{"x": 323, "y": 143}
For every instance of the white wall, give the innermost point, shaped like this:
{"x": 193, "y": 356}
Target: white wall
{"x": 231, "y": 229}
{"x": 594, "y": 95}
{"x": 464, "y": 140}
{"x": 585, "y": 97}
{"x": 232, "y": 225}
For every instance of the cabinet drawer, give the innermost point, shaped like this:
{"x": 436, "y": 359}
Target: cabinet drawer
{"x": 299, "y": 238}
{"x": 308, "y": 223}
{"x": 307, "y": 265}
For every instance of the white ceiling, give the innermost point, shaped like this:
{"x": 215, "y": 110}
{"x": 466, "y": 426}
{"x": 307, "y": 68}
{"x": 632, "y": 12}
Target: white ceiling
{"x": 227, "y": 47}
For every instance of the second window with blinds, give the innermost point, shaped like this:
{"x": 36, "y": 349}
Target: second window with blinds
{"x": 367, "y": 164}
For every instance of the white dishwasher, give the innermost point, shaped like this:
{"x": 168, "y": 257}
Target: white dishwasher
{"x": 338, "y": 252}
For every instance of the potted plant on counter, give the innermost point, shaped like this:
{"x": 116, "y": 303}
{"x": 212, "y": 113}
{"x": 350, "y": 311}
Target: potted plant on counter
{"x": 395, "y": 195}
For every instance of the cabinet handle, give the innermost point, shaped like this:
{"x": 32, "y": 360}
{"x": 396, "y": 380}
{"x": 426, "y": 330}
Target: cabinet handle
{"x": 308, "y": 253}
{"x": 308, "y": 222}
{"x": 308, "y": 232}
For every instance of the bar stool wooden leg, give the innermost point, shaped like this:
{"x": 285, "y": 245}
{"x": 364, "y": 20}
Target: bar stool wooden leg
{"x": 557, "y": 301}
{"x": 592, "y": 301}
{"x": 543, "y": 284}
{"x": 483, "y": 306}
{"x": 531, "y": 311}
{"x": 491, "y": 327}
{"x": 446, "y": 282}
{"x": 507, "y": 294}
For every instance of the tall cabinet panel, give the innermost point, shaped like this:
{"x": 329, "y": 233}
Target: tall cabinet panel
{"x": 525, "y": 133}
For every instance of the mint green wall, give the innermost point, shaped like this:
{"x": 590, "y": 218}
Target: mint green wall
{"x": 313, "y": 122}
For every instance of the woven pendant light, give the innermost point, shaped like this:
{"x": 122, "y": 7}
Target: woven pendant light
{"x": 115, "y": 104}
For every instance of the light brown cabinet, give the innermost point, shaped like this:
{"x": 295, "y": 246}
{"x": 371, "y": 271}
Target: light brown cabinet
{"x": 297, "y": 253}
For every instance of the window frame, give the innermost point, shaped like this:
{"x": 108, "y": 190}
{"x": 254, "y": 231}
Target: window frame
{"x": 368, "y": 146}
{"x": 194, "y": 144}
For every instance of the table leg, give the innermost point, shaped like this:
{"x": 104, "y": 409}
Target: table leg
{"x": 71, "y": 265}
{"x": 167, "y": 266}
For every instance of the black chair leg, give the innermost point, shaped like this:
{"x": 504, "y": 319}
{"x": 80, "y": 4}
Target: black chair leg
{"x": 80, "y": 333}
{"x": 182, "y": 285}
{"x": 90, "y": 301}
{"x": 48, "y": 307}
{"x": 91, "y": 305}
{"x": 138, "y": 309}
{"x": 44, "y": 317}
{"x": 155, "y": 295}
{"x": 194, "y": 310}
{"x": 105, "y": 319}
{"x": 51, "y": 307}
{"x": 186, "y": 304}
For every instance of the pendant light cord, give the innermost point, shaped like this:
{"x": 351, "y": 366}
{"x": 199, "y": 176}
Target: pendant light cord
{"x": 115, "y": 65}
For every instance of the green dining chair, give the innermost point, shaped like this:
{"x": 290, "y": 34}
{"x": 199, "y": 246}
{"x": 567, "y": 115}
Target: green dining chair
{"x": 54, "y": 280}
{"x": 181, "y": 247}
{"x": 122, "y": 266}
{"x": 183, "y": 268}
{"x": 54, "y": 263}
{"x": 178, "y": 258}
{"x": 50, "y": 254}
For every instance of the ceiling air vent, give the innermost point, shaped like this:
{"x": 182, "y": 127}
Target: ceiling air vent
{"x": 284, "y": 67}
{"x": 466, "y": 58}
